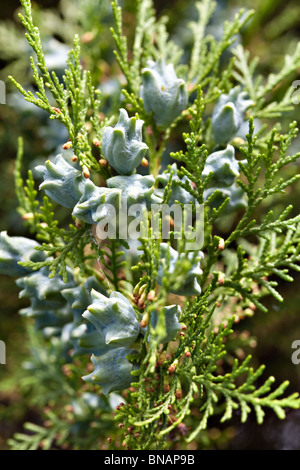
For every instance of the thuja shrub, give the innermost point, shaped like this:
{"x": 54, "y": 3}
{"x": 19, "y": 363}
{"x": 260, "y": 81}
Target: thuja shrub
{"x": 134, "y": 339}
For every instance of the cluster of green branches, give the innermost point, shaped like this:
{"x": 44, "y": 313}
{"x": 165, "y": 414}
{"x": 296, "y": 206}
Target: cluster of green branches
{"x": 175, "y": 382}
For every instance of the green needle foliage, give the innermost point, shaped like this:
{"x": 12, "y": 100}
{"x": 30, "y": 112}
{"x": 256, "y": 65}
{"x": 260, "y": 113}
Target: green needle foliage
{"x": 170, "y": 389}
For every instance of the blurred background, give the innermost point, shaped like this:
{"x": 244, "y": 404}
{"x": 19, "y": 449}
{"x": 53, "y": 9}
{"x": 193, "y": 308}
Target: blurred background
{"x": 274, "y": 31}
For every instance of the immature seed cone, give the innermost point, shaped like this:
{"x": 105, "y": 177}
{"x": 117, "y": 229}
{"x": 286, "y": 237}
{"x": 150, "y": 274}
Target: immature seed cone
{"x": 63, "y": 180}
{"x": 163, "y": 92}
{"x": 114, "y": 318}
{"x": 229, "y": 114}
{"x": 122, "y": 145}
{"x": 16, "y": 249}
{"x": 112, "y": 370}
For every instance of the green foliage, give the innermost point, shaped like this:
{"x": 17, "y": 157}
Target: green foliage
{"x": 159, "y": 337}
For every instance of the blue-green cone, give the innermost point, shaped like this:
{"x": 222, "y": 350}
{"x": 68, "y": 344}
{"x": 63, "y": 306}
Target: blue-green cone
{"x": 224, "y": 169}
{"x": 166, "y": 323}
{"x": 40, "y": 286}
{"x": 112, "y": 370}
{"x": 163, "y": 93}
{"x": 114, "y": 318}
{"x": 45, "y": 316}
{"x": 234, "y": 192}
{"x": 122, "y": 145}
{"x": 79, "y": 297}
{"x": 63, "y": 180}
{"x": 137, "y": 189}
{"x": 229, "y": 114}
{"x": 14, "y": 250}
{"x": 83, "y": 336}
{"x": 178, "y": 193}
{"x": 96, "y": 203}
{"x": 85, "y": 339}
{"x": 171, "y": 259}
{"x": 47, "y": 306}
{"x": 87, "y": 404}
